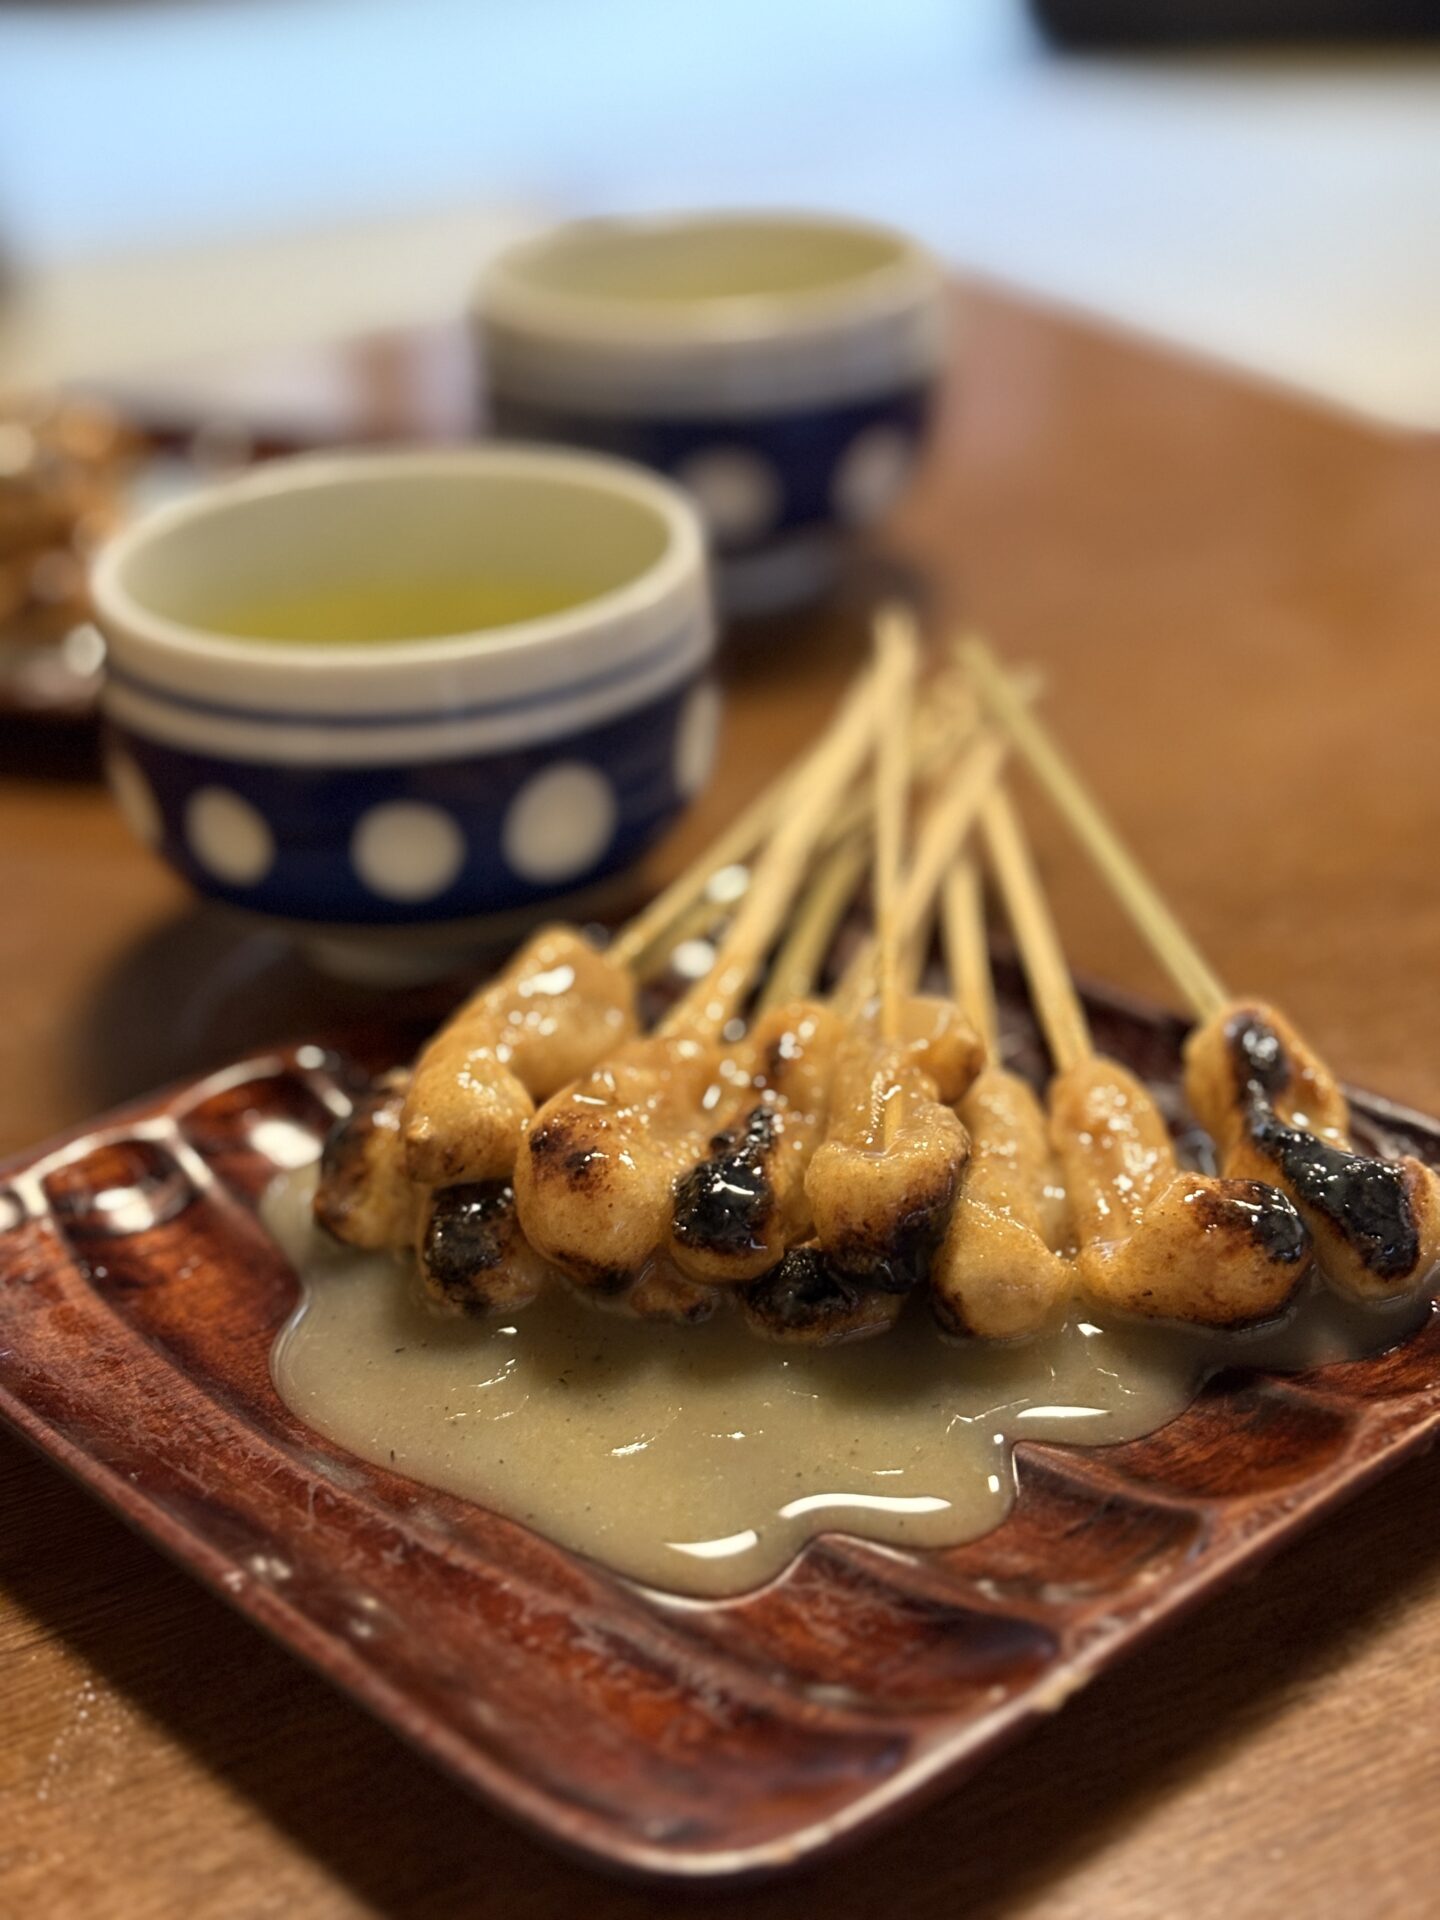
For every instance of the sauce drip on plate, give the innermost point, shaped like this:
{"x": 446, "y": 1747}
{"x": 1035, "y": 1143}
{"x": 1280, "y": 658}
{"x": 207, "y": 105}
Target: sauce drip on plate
{"x": 699, "y": 1459}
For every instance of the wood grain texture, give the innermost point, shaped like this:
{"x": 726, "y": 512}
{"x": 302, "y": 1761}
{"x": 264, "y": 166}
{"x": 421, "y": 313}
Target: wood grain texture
{"x": 1236, "y": 602}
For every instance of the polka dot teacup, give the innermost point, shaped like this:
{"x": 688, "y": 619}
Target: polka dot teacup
{"x": 368, "y": 774}
{"x": 781, "y": 368}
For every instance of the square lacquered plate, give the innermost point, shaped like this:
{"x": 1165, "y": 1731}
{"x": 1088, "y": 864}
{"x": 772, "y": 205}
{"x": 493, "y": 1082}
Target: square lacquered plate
{"x": 139, "y": 1296}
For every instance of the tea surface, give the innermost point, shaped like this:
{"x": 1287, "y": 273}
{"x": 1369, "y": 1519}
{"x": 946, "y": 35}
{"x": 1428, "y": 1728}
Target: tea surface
{"x": 374, "y": 611}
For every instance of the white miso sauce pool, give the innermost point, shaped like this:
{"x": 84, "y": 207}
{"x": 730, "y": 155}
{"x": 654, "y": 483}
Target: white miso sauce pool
{"x": 698, "y": 1459}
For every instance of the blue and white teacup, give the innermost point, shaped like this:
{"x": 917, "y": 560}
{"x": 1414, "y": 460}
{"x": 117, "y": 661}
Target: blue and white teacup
{"x": 781, "y": 368}
{"x": 390, "y": 766}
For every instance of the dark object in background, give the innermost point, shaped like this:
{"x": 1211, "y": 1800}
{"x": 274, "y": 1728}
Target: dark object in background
{"x": 1140, "y": 23}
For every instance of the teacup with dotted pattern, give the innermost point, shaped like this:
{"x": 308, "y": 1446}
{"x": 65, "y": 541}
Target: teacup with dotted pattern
{"x": 394, "y": 690}
{"x": 780, "y": 367}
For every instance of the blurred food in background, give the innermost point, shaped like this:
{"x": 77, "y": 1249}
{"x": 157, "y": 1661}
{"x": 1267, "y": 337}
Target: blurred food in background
{"x": 65, "y": 466}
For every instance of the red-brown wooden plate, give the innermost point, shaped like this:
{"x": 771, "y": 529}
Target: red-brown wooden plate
{"x": 139, "y": 1296}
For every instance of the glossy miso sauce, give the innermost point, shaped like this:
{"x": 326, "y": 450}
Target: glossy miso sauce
{"x": 699, "y": 1459}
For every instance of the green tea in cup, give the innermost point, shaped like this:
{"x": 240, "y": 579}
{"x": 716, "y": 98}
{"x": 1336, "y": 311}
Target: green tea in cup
{"x": 391, "y": 608}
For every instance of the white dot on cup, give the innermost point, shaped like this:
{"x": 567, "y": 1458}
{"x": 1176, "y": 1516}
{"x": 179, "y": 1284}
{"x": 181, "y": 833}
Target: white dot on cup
{"x": 737, "y": 492}
{"x": 229, "y": 836}
{"x": 872, "y": 472}
{"x": 407, "y": 850}
{"x": 135, "y": 797}
{"x": 696, "y": 738}
{"x": 560, "y": 823}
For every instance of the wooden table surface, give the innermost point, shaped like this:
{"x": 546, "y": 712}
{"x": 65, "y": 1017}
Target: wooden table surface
{"x": 1237, "y": 604}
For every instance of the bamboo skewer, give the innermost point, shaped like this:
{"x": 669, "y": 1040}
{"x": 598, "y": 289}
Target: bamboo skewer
{"x": 941, "y": 727}
{"x": 942, "y": 833}
{"x": 1153, "y": 919}
{"x": 1153, "y": 1239}
{"x": 897, "y": 650}
{"x": 796, "y": 966}
{"x": 949, "y": 826}
{"x": 916, "y": 951}
{"x": 947, "y": 719}
{"x": 704, "y": 1010}
{"x": 701, "y": 920}
{"x": 1067, "y": 1031}
{"x": 949, "y": 823}
{"x": 671, "y": 906}
{"x": 943, "y": 829}
{"x": 997, "y": 1274}
{"x": 967, "y": 950}
{"x": 892, "y": 793}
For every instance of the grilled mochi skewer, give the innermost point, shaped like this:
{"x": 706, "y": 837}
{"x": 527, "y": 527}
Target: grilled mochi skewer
{"x": 740, "y": 1209}
{"x": 669, "y": 1288}
{"x": 880, "y": 1184}
{"x": 1271, "y": 1105}
{"x": 736, "y": 1210}
{"x": 597, "y": 1168}
{"x": 998, "y": 1274}
{"x": 556, "y": 1007}
{"x": 556, "y": 1010}
{"x": 363, "y": 1195}
{"x": 457, "y": 1116}
{"x": 1153, "y": 1240}
{"x": 1276, "y": 1112}
{"x": 426, "y": 1158}
{"x": 538, "y": 1024}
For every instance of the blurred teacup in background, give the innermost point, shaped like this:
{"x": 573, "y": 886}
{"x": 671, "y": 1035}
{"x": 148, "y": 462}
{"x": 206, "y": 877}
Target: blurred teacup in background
{"x": 781, "y": 368}
{"x": 379, "y": 695}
